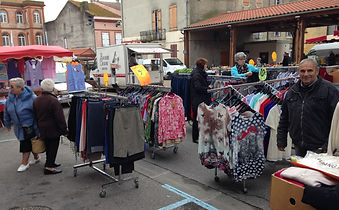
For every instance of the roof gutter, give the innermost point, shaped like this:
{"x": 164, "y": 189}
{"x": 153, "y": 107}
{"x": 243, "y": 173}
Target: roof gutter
{"x": 264, "y": 18}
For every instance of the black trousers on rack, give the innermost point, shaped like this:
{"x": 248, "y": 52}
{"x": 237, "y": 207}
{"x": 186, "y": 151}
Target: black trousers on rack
{"x": 95, "y": 126}
{"x": 52, "y": 146}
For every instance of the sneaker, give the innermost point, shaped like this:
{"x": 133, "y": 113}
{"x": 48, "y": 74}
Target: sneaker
{"x": 34, "y": 161}
{"x": 23, "y": 167}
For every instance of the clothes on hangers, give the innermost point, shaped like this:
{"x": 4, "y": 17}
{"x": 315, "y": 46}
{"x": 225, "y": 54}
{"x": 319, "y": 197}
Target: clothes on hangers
{"x": 49, "y": 67}
{"x": 104, "y": 126}
{"x": 13, "y": 69}
{"x": 75, "y": 77}
{"x": 33, "y": 74}
{"x": 163, "y": 114}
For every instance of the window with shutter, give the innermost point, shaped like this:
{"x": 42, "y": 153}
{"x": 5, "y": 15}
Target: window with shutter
{"x": 173, "y": 17}
{"x": 246, "y": 3}
{"x": 153, "y": 20}
{"x": 159, "y": 19}
{"x": 174, "y": 52}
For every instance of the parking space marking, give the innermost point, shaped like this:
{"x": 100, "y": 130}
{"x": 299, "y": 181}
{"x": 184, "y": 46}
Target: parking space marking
{"x": 175, "y": 205}
{"x": 7, "y": 140}
{"x": 188, "y": 199}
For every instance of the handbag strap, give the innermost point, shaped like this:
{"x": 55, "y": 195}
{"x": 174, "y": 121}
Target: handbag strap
{"x": 17, "y": 116}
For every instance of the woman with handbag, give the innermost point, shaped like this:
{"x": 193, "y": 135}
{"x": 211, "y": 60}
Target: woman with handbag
{"x": 19, "y": 112}
{"x": 51, "y": 123}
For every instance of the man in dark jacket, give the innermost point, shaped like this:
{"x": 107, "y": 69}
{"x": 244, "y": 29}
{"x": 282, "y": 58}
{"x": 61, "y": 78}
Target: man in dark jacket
{"x": 307, "y": 111}
{"x": 51, "y": 123}
{"x": 199, "y": 86}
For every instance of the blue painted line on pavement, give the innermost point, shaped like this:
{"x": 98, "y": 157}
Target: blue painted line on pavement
{"x": 175, "y": 205}
{"x": 189, "y": 197}
{"x": 7, "y": 140}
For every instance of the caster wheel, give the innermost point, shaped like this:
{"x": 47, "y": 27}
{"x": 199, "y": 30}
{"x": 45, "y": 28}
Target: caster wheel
{"x": 217, "y": 179}
{"x": 153, "y": 155}
{"x": 75, "y": 172}
{"x": 175, "y": 149}
{"x": 136, "y": 182}
{"x": 102, "y": 194}
{"x": 245, "y": 190}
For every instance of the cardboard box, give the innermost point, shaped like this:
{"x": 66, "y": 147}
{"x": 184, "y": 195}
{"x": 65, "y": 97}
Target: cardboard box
{"x": 286, "y": 195}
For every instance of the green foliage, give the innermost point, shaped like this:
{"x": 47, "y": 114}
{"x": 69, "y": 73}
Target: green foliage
{"x": 186, "y": 70}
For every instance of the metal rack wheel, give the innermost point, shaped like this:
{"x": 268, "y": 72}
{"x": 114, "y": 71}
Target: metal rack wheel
{"x": 153, "y": 155}
{"x": 136, "y": 182}
{"x": 75, "y": 172}
{"x": 216, "y": 178}
{"x": 102, "y": 194}
{"x": 175, "y": 149}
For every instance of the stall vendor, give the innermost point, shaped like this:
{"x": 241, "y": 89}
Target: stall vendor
{"x": 242, "y": 69}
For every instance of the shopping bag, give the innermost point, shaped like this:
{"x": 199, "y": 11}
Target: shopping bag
{"x": 38, "y": 145}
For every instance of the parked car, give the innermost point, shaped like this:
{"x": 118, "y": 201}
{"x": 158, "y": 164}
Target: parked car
{"x": 169, "y": 65}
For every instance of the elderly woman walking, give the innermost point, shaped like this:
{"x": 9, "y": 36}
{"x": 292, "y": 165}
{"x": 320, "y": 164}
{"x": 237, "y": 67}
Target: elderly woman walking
{"x": 242, "y": 69}
{"x": 19, "y": 112}
{"x": 51, "y": 122}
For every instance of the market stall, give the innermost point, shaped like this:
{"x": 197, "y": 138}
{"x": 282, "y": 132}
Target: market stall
{"x": 23, "y": 61}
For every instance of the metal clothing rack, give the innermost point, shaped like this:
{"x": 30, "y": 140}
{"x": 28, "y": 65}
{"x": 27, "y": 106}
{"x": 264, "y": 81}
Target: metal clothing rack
{"x": 251, "y": 84}
{"x": 91, "y": 164}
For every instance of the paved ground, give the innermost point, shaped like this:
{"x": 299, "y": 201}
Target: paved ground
{"x": 160, "y": 185}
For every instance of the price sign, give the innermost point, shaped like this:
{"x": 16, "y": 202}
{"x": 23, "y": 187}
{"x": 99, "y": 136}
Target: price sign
{"x": 251, "y": 62}
{"x": 263, "y": 74}
{"x": 142, "y": 74}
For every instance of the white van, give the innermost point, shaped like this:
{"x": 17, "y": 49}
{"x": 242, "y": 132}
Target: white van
{"x": 169, "y": 65}
{"x": 115, "y": 61}
{"x": 320, "y": 52}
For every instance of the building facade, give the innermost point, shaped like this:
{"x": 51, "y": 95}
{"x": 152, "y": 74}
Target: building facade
{"x": 163, "y": 21}
{"x": 85, "y": 25}
{"x": 21, "y": 22}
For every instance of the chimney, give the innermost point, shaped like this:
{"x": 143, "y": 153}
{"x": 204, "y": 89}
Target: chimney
{"x": 84, "y": 6}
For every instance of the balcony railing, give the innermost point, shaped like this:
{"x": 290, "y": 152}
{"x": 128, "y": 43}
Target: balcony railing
{"x": 147, "y": 36}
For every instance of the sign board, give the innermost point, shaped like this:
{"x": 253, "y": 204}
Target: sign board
{"x": 142, "y": 74}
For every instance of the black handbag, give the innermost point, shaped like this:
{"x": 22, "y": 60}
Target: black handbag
{"x": 29, "y": 132}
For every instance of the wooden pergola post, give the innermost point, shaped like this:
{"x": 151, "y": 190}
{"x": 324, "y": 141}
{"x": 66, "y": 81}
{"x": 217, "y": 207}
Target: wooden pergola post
{"x": 186, "y": 49}
{"x": 299, "y": 40}
{"x": 233, "y": 44}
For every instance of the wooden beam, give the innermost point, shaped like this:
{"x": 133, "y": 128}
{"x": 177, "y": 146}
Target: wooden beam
{"x": 299, "y": 40}
{"x": 233, "y": 44}
{"x": 186, "y": 48}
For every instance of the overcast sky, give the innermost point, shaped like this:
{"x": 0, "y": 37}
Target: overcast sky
{"x": 53, "y": 7}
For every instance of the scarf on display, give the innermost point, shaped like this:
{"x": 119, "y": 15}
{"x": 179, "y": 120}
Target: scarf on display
{"x": 242, "y": 69}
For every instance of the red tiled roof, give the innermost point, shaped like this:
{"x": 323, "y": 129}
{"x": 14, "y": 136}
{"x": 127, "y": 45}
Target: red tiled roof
{"x": 83, "y": 52}
{"x": 260, "y": 13}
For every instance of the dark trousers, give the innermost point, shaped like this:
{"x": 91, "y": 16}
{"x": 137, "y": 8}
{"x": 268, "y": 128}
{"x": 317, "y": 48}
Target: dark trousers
{"x": 301, "y": 151}
{"x": 195, "y": 129}
{"x": 52, "y": 145}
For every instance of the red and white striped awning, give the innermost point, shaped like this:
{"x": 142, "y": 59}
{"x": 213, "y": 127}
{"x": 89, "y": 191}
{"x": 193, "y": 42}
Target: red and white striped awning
{"x": 324, "y": 39}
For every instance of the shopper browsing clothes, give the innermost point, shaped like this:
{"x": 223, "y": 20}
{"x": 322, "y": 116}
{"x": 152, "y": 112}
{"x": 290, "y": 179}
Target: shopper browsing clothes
{"x": 51, "y": 122}
{"x": 199, "y": 86}
{"x": 242, "y": 69}
{"x": 19, "y": 112}
{"x": 307, "y": 111}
